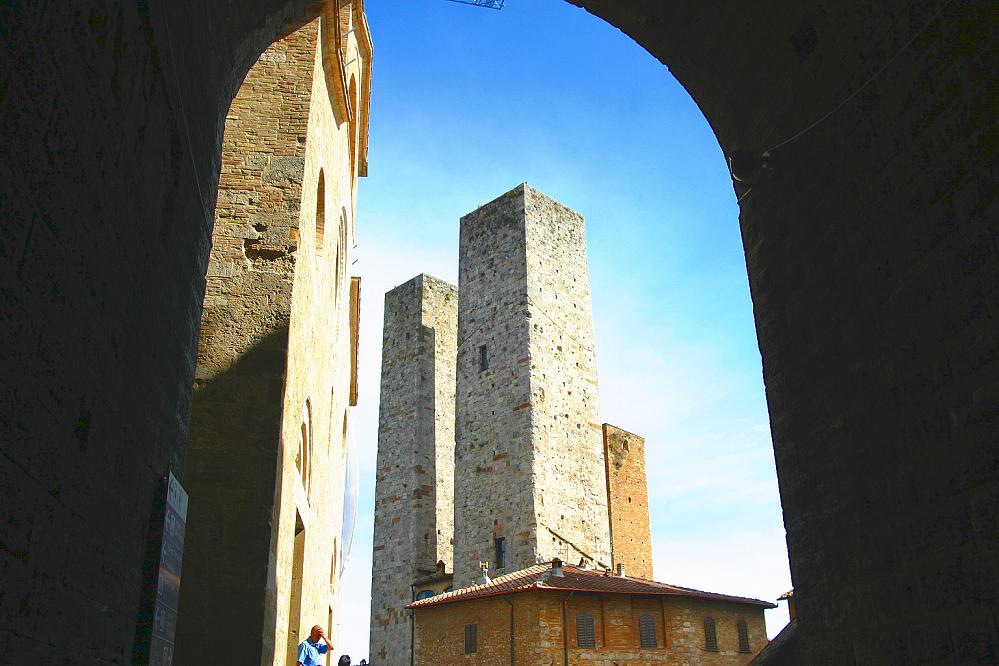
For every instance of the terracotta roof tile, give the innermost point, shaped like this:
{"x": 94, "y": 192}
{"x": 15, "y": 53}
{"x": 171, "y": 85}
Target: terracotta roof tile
{"x": 577, "y": 580}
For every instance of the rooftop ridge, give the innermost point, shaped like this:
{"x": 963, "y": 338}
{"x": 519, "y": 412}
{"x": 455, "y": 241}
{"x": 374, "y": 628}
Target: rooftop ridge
{"x": 577, "y": 580}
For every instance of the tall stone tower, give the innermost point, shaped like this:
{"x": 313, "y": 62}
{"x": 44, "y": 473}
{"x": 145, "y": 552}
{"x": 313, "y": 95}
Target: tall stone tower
{"x": 529, "y": 468}
{"x": 415, "y": 468}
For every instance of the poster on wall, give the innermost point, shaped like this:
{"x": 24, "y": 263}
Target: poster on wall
{"x": 164, "y": 625}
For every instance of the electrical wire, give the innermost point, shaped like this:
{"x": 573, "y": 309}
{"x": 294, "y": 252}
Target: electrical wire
{"x": 866, "y": 83}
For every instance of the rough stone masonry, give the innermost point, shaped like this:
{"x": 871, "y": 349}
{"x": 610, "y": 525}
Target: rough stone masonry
{"x": 528, "y": 446}
{"x": 414, "y": 483}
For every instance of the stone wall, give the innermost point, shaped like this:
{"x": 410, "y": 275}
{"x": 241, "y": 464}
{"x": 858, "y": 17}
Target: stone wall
{"x": 628, "y": 501}
{"x": 541, "y": 619}
{"x": 242, "y": 351}
{"x": 275, "y": 361}
{"x": 415, "y": 467}
{"x": 528, "y": 456}
{"x": 870, "y": 251}
{"x": 685, "y": 621}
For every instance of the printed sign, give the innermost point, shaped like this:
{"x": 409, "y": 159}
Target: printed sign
{"x": 168, "y": 579}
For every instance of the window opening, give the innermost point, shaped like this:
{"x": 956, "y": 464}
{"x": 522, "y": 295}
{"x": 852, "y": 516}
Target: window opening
{"x": 500, "y": 544}
{"x": 483, "y": 359}
{"x": 471, "y": 646}
{"x": 710, "y": 637}
{"x": 585, "y": 632}
{"x": 647, "y": 631}
{"x": 743, "y": 630}
{"x": 295, "y": 584}
{"x": 320, "y": 212}
{"x": 425, "y": 594}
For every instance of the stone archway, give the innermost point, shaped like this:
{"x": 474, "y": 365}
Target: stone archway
{"x": 871, "y": 261}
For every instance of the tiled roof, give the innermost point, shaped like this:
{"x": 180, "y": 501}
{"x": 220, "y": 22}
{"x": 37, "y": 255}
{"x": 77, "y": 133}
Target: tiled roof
{"x": 577, "y": 580}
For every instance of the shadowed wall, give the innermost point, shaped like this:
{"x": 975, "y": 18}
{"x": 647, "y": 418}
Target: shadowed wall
{"x": 871, "y": 260}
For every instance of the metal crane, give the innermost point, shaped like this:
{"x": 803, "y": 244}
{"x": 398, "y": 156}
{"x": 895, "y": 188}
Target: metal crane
{"x": 488, "y": 4}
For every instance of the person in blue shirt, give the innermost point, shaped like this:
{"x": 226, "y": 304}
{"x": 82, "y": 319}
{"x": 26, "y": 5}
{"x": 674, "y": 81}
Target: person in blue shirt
{"x": 311, "y": 651}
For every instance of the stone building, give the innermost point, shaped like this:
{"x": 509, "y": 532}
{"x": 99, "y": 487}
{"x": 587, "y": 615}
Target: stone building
{"x": 268, "y": 456}
{"x": 490, "y": 389}
{"x": 628, "y": 501}
{"x": 869, "y": 247}
{"x": 414, "y": 483}
{"x": 561, "y": 614}
{"x": 529, "y": 472}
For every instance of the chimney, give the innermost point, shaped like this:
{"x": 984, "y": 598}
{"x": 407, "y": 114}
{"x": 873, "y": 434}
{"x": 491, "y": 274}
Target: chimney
{"x": 484, "y": 578}
{"x": 557, "y": 570}
{"x": 620, "y": 570}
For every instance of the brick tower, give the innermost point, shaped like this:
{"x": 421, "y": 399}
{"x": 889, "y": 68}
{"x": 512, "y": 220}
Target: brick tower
{"x": 529, "y": 466}
{"x": 628, "y": 501}
{"x": 415, "y": 468}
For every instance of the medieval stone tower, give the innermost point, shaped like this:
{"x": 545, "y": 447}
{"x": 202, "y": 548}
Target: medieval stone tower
{"x": 628, "y": 501}
{"x": 489, "y": 431}
{"x": 414, "y": 487}
{"x": 529, "y": 470}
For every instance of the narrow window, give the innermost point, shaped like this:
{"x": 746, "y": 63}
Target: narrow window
{"x": 470, "y": 643}
{"x": 585, "y": 636}
{"x": 647, "y": 631}
{"x": 500, "y": 543}
{"x": 710, "y": 637}
{"x": 320, "y": 211}
{"x": 743, "y": 630}
{"x": 483, "y": 359}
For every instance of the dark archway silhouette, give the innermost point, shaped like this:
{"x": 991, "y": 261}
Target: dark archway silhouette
{"x": 871, "y": 257}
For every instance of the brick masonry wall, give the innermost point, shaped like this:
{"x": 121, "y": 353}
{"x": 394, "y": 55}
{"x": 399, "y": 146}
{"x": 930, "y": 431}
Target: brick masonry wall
{"x": 628, "y": 501}
{"x": 541, "y": 619}
{"x": 274, "y": 360}
{"x": 870, "y": 252}
{"x": 685, "y": 625}
{"x": 414, "y": 482}
{"x": 528, "y": 458}
{"x": 242, "y": 351}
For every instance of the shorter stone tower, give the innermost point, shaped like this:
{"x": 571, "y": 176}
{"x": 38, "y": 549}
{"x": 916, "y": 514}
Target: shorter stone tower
{"x": 628, "y": 501}
{"x": 414, "y": 486}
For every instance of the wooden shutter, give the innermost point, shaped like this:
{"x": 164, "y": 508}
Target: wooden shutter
{"x": 743, "y": 630}
{"x": 647, "y": 631}
{"x": 710, "y": 637}
{"x": 585, "y": 634}
{"x": 471, "y": 645}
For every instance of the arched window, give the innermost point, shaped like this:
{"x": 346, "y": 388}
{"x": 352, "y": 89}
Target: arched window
{"x": 320, "y": 211}
{"x": 333, "y": 571}
{"x": 303, "y": 457}
{"x": 341, "y": 255}
{"x": 354, "y": 126}
{"x": 710, "y": 636}
{"x": 425, "y": 594}
{"x": 743, "y": 629}
{"x": 585, "y": 634}
{"x": 647, "y": 631}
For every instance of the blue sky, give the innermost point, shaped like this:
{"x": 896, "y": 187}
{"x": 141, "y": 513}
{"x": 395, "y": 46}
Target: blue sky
{"x": 467, "y": 103}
